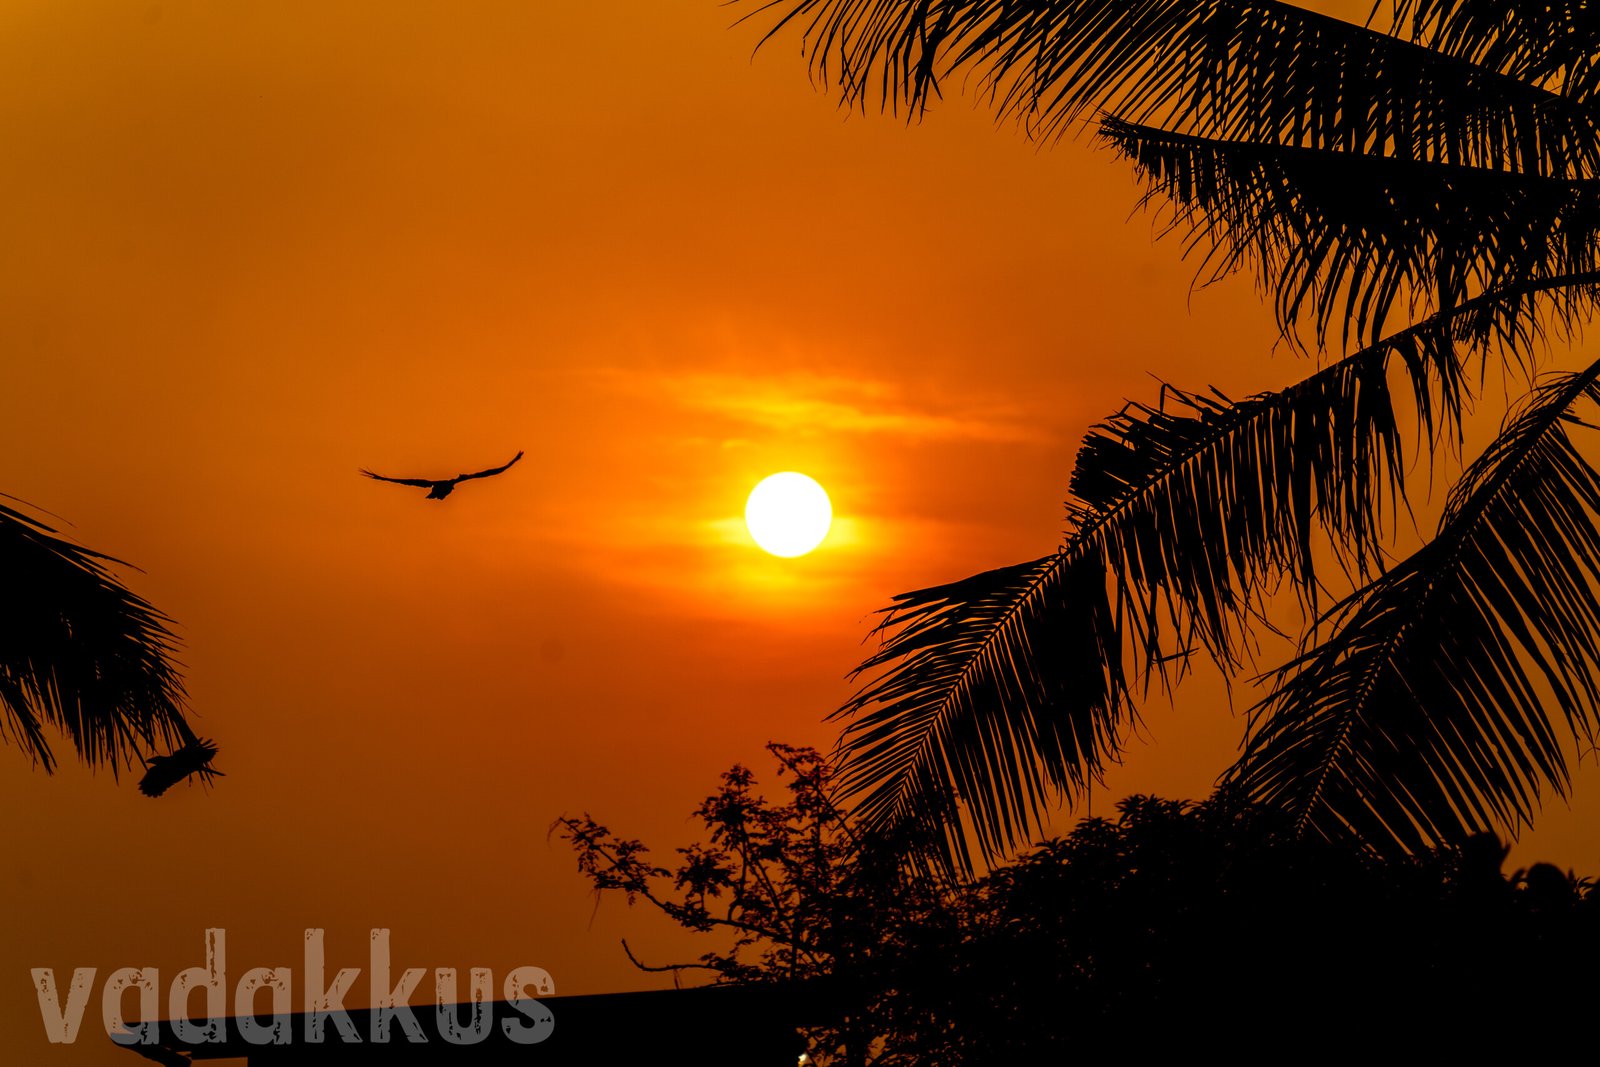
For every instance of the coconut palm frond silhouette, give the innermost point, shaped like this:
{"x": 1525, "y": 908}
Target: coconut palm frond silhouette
{"x": 1422, "y": 204}
{"x": 439, "y": 488}
{"x": 82, "y": 654}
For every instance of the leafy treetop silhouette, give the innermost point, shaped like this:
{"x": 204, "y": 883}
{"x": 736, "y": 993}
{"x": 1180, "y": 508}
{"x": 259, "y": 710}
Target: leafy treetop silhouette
{"x": 1173, "y": 925}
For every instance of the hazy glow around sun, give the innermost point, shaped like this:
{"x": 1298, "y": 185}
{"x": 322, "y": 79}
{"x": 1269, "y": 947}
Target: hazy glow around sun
{"x": 788, "y": 514}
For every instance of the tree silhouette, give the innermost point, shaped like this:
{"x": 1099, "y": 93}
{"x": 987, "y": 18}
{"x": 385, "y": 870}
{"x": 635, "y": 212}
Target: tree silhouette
{"x": 1444, "y": 173}
{"x": 80, "y": 652}
{"x": 792, "y": 897}
{"x": 1172, "y": 926}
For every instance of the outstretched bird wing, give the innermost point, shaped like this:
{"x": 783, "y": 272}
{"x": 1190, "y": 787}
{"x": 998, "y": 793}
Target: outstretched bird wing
{"x": 164, "y": 772}
{"x": 485, "y": 474}
{"x": 424, "y": 483}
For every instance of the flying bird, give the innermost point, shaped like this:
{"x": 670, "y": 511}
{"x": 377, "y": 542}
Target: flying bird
{"x": 442, "y": 487}
{"x": 193, "y": 758}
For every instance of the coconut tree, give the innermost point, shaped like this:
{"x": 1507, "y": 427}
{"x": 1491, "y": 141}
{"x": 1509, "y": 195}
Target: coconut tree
{"x": 82, "y": 654}
{"x": 1417, "y": 198}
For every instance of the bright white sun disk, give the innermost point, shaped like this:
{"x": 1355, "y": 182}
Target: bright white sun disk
{"x": 788, "y": 514}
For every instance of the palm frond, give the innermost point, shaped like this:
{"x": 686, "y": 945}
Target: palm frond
{"x": 81, "y": 653}
{"x": 1208, "y": 502}
{"x": 1426, "y": 715}
{"x": 1551, "y": 45}
{"x": 1343, "y": 237}
{"x": 1450, "y": 168}
{"x": 1007, "y": 688}
{"x": 1233, "y": 69}
{"x": 1015, "y": 686}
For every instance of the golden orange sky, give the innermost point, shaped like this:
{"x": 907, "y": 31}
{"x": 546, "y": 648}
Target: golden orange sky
{"x": 250, "y": 248}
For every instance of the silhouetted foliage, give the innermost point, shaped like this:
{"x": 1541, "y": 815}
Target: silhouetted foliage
{"x": 81, "y": 653}
{"x": 1175, "y": 926}
{"x": 785, "y": 886}
{"x": 1445, "y": 172}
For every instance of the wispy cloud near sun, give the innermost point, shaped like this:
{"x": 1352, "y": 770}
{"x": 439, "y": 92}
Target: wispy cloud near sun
{"x": 822, "y": 404}
{"x": 916, "y": 471}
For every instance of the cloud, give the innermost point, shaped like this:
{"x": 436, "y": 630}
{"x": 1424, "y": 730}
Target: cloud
{"x": 807, "y": 403}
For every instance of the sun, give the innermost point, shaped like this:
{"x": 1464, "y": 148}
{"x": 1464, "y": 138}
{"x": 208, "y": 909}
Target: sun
{"x": 788, "y": 514}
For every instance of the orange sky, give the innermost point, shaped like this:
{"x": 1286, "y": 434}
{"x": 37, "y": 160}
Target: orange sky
{"x": 249, "y": 248}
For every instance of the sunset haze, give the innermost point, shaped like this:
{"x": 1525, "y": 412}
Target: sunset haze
{"x": 250, "y": 249}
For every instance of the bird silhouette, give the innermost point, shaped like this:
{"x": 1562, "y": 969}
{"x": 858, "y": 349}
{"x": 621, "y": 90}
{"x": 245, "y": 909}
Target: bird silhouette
{"x": 193, "y": 757}
{"x": 440, "y": 488}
